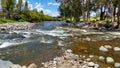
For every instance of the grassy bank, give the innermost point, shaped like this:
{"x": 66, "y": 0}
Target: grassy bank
{"x": 4, "y": 20}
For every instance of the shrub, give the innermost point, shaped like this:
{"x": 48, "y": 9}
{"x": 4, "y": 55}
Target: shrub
{"x": 20, "y": 17}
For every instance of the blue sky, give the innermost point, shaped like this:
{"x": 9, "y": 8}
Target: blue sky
{"x": 49, "y": 7}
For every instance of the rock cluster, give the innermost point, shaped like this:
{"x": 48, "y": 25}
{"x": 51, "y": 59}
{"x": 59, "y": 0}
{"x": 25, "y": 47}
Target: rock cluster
{"x": 70, "y": 60}
{"x": 16, "y": 26}
{"x": 106, "y": 48}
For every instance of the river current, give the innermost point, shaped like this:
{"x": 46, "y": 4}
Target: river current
{"x": 46, "y": 40}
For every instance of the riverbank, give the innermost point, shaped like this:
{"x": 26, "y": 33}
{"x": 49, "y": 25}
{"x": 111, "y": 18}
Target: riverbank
{"x": 68, "y": 60}
{"x": 17, "y": 26}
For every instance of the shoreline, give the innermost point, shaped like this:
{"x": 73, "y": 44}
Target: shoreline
{"x": 17, "y": 26}
{"x": 68, "y": 60}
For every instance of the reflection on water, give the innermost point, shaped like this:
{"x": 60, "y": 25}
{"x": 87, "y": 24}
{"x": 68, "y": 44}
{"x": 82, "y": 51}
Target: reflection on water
{"x": 43, "y": 42}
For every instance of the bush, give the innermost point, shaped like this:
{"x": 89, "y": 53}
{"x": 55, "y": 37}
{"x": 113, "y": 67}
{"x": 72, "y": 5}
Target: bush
{"x": 20, "y": 17}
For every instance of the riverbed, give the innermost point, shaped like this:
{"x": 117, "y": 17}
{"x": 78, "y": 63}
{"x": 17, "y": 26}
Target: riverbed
{"x": 46, "y": 40}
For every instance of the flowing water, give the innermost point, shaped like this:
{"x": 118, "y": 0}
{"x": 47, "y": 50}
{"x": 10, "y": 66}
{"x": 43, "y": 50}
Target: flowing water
{"x": 45, "y": 40}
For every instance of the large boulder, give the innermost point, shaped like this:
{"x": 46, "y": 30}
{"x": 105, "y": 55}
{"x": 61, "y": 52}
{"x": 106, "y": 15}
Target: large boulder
{"x": 5, "y": 64}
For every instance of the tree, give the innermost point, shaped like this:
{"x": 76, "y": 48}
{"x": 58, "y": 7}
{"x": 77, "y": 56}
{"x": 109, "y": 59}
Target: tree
{"x": 9, "y": 7}
{"x": 70, "y": 9}
{"x": 3, "y": 5}
{"x": 118, "y": 15}
{"x": 19, "y": 6}
{"x": 26, "y": 6}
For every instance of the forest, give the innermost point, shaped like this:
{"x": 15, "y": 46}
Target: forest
{"x": 107, "y": 11}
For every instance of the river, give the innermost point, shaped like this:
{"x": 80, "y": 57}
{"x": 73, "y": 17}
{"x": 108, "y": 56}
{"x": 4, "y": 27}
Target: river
{"x": 46, "y": 40}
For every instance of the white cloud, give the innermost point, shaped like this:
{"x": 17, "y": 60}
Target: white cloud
{"x": 51, "y": 13}
{"x": 39, "y": 6}
{"x": 54, "y": 4}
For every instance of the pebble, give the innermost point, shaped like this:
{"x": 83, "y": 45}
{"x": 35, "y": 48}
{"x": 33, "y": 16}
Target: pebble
{"x": 110, "y": 60}
{"x": 96, "y": 66}
{"x": 108, "y": 46}
{"x": 116, "y": 48}
{"x": 101, "y": 58}
{"x": 91, "y": 64}
{"x": 15, "y": 66}
{"x": 24, "y": 66}
{"x": 117, "y": 65}
{"x": 33, "y": 65}
{"x": 102, "y": 48}
{"x": 69, "y": 51}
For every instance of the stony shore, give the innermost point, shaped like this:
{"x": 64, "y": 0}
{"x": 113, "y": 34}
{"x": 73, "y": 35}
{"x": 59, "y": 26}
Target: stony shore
{"x": 68, "y": 60}
{"x": 17, "y": 26}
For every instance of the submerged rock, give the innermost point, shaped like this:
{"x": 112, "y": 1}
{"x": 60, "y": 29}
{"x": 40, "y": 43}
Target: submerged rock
{"x": 70, "y": 60}
{"x": 110, "y": 60}
{"x": 102, "y": 48}
{"x": 108, "y": 46}
{"x": 116, "y": 48}
{"x": 101, "y": 58}
{"x": 117, "y": 65}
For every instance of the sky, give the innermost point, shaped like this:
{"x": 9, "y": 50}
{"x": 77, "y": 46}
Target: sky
{"x": 49, "y": 7}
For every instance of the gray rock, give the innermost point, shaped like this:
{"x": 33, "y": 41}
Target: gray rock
{"x": 117, "y": 65}
{"x": 5, "y": 64}
{"x": 101, "y": 58}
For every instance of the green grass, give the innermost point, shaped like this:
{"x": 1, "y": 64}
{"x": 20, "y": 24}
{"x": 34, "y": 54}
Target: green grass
{"x": 4, "y": 20}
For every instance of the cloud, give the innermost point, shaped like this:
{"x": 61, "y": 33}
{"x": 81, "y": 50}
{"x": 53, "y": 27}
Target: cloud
{"x": 51, "y": 13}
{"x": 53, "y": 4}
{"x": 39, "y": 6}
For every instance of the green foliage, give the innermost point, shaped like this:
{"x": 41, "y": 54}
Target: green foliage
{"x": 3, "y": 20}
{"x": 32, "y": 16}
{"x": 19, "y": 17}
{"x": 48, "y": 18}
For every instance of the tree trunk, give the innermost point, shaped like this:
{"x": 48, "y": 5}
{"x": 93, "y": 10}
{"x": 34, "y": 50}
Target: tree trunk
{"x": 102, "y": 14}
{"x": 118, "y": 16}
{"x": 112, "y": 13}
